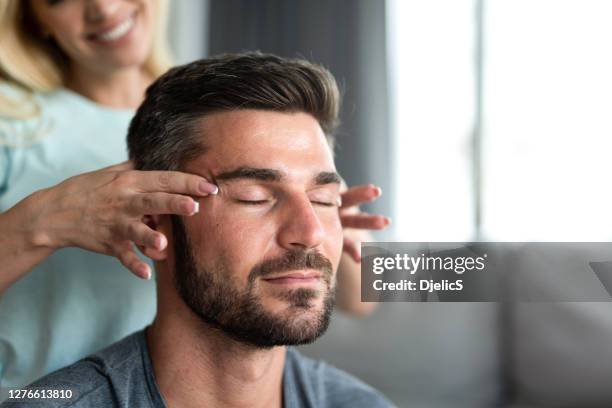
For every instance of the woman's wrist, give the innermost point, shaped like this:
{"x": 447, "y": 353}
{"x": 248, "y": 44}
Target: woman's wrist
{"x": 35, "y": 229}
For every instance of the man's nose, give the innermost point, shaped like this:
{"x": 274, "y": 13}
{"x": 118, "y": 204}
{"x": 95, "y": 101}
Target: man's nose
{"x": 301, "y": 227}
{"x": 97, "y": 11}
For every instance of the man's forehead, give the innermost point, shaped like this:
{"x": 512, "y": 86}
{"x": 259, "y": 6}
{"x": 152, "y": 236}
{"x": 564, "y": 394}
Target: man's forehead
{"x": 258, "y": 131}
{"x": 254, "y": 144}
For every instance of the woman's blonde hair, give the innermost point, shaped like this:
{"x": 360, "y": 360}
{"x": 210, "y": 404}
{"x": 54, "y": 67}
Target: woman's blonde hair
{"x": 32, "y": 63}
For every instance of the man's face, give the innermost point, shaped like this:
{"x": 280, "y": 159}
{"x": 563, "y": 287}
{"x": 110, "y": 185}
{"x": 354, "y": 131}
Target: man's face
{"x": 259, "y": 259}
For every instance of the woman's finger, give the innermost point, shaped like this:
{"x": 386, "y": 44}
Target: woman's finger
{"x": 364, "y": 221}
{"x": 133, "y": 263}
{"x": 162, "y": 203}
{"x": 360, "y": 194}
{"x": 170, "y": 182}
{"x": 141, "y": 234}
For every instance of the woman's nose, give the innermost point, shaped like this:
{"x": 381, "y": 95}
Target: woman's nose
{"x": 97, "y": 11}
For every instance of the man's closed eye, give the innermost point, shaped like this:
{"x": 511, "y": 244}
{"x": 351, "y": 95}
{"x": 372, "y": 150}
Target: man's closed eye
{"x": 252, "y": 202}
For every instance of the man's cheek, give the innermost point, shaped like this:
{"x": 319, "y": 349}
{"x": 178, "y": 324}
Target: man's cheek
{"x": 220, "y": 220}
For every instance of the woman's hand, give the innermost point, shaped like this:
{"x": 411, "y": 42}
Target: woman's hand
{"x": 103, "y": 211}
{"x": 355, "y": 222}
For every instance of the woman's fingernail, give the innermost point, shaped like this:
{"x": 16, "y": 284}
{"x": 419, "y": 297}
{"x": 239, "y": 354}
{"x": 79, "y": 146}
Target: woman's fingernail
{"x": 145, "y": 272}
{"x": 196, "y": 207}
{"x": 208, "y": 188}
{"x": 160, "y": 242}
{"x": 387, "y": 220}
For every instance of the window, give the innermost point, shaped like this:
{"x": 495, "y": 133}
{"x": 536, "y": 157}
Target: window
{"x": 542, "y": 121}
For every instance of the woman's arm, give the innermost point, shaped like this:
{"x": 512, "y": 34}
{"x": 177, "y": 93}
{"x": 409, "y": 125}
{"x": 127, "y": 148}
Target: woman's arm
{"x": 20, "y": 250}
{"x": 100, "y": 211}
{"x": 356, "y": 225}
{"x": 348, "y": 295}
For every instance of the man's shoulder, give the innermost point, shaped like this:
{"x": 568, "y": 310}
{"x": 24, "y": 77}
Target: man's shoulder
{"x": 330, "y": 386}
{"x": 101, "y": 379}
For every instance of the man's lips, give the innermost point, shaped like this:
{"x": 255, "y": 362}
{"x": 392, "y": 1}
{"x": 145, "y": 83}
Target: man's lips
{"x": 294, "y": 277}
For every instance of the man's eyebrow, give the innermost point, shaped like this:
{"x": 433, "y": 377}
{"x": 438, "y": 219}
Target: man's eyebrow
{"x": 271, "y": 175}
{"x": 327, "y": 177}
{"x": 252, "y": 173}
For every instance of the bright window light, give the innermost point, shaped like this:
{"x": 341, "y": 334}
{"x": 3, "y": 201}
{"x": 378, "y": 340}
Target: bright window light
{"x": 546, "y": 136}
{"x": 431, "y": 58}
{"x": 547, "y": 120}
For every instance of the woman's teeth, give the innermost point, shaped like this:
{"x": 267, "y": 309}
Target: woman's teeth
{"x": 119, "y": 31}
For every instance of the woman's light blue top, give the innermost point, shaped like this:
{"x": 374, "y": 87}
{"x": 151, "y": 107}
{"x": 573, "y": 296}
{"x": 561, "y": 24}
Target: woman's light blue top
{"x": 75, "y": 302}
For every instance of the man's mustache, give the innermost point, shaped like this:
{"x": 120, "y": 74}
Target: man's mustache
{"x": 291, "y": 261}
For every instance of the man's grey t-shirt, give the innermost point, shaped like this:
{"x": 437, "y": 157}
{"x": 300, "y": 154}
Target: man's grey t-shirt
{"x": 122, "y": 376}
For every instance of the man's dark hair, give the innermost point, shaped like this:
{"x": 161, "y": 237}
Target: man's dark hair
{"x": 164, "y": 134}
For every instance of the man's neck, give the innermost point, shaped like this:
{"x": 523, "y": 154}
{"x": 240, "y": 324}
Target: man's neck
{"x": 120, "y": 89}
{"x": 196, "y": 366}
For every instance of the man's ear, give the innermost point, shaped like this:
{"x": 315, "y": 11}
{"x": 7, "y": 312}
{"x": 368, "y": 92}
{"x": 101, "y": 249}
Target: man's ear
{"x": 154, "y": 222}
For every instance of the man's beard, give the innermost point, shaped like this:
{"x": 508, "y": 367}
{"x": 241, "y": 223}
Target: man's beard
{"x": 212, "y": 296}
